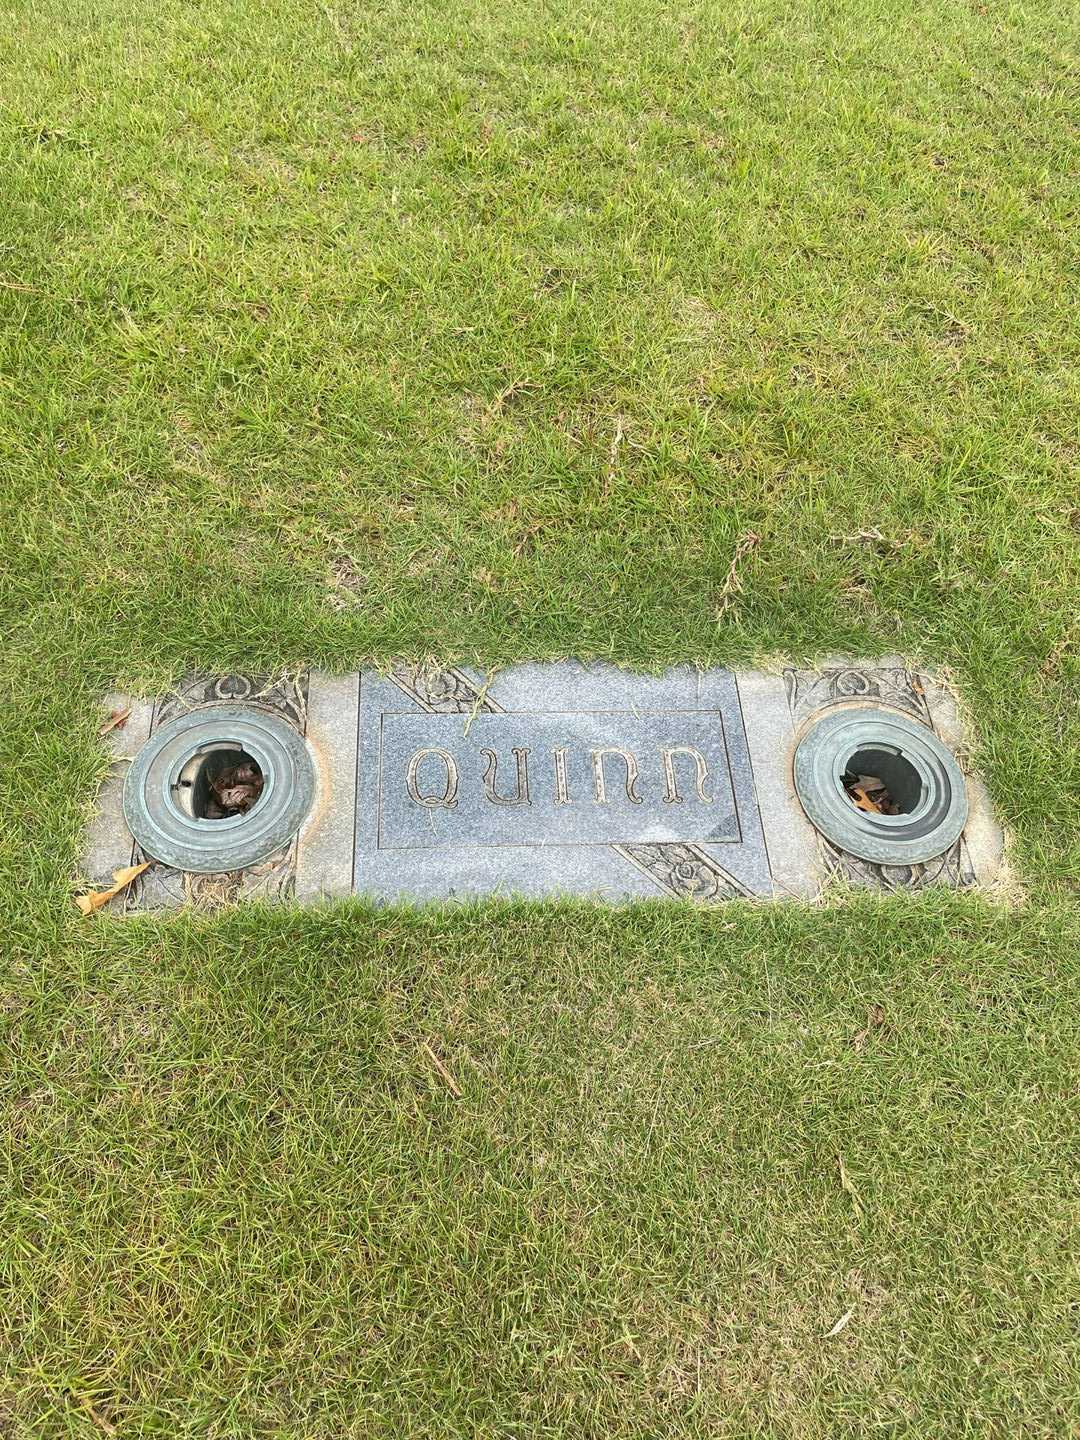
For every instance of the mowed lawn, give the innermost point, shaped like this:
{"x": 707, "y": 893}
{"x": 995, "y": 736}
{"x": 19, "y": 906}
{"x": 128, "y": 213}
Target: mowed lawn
{"x": 715, "y": 332}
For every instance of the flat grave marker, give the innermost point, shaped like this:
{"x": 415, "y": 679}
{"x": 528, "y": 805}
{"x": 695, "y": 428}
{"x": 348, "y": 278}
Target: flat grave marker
{"x": 430, "y": 783}
{"x": 561, "y": 779}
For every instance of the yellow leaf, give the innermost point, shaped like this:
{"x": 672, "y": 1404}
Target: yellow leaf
{"x": 121, "y": 880}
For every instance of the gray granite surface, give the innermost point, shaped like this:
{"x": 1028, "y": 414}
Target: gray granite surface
{"x": 555, "y": 779}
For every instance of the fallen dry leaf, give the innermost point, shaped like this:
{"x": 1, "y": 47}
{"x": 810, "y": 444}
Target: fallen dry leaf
{"x": 840, "y": 1324}
{"x": 234, "y": 791}
{"x": 121, "y": 880}
{"x": 863, "y": 800}
{"x": 868, "y": 792}
{"x": 116, "y": 721}
{"x": 875, "y": 1018}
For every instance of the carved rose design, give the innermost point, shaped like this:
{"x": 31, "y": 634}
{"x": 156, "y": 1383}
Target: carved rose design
{"x": 683, "y": 870}
{"x": 284, "y": 694}
{"x": 162, "y": 888}
{"x": 444, "y": 692}
{"x": 951, "y": 869}
{"x": 689, "y": 875}
{"x": 852, "y": 683}
{"x": 232, "y": 687}
{"x": 810, "y": 690}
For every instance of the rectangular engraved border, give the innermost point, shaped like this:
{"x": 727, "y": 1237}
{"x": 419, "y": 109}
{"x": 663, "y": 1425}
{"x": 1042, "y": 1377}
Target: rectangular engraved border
{"x": 729, "y": 781}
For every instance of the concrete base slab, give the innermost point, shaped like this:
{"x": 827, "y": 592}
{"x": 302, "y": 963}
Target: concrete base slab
{"x": 554, "y": 779}
{"x": 109, "y": 844}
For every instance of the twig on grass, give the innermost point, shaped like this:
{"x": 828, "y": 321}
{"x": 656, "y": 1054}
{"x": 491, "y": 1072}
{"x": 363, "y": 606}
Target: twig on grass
{"x": 732, "y": 584}
{"x": 33, "y": 290}
{"x": 116, "y": 721}
{"x": 848, "y": 1188}
{"x": 95, "y": 1415}
{"x": 526, "y": 536}
{"x": 613, "y": 455}
{"x": 511, "y": 390}
{"x": 451, "y": 1083}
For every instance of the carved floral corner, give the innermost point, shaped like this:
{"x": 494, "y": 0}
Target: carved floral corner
{"x": 953, "y": 870}
{"x": 811, "y": 690}
{"x": 685, "y": 871}
{"x": 443, "y": 692}
{"x": 287, "y": 695}
{"x": 163, "y": 888}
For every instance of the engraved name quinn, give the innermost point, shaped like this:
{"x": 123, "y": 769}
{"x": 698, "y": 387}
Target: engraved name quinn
{"x": 449, "y": 774}
{"x": 537, "y": 779}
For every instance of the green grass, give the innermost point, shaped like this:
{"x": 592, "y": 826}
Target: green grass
{"x": 332, "y": 333}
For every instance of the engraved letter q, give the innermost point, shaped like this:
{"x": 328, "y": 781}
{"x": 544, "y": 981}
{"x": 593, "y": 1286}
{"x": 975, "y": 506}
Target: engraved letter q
{"x": 448, "y": 799}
